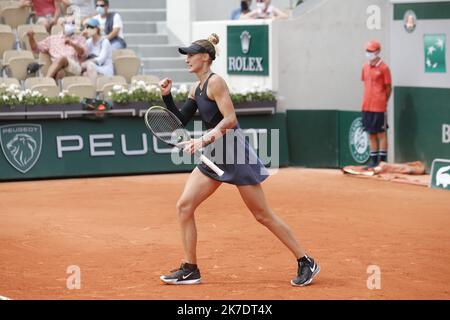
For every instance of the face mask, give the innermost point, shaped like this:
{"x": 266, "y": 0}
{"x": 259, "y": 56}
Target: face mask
{"x": 260, "y": 5}
{"x": 100, "y": 10}
{"x": 69, "y": 29}
{"x": 371, "y": 55}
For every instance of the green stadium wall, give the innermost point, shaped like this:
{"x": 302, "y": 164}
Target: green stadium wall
{"x": 313, "y": 138}
{"x": 321, "y": 138}
{"x": 102, "y": 148}
{"x": 422, "y": 124}
{"x": 307, "y": 138}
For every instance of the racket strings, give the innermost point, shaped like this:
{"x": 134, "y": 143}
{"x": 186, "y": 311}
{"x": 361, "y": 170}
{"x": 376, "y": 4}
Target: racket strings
{"x": 166, "y": 126}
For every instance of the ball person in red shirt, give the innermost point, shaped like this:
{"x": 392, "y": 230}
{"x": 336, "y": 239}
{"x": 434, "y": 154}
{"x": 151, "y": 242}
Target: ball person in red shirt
{"x": 377, "y": 90}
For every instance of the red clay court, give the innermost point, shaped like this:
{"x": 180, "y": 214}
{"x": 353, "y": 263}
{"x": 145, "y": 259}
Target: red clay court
{"x": 122, "y": 233}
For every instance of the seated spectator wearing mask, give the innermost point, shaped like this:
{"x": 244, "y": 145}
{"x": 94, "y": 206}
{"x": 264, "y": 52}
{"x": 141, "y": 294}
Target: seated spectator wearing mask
{"x": 264, "y": 10}
{"x": 244, "y": 9}
{"x": 66, "y": 50}
{"x": 110, "y": 24}
{"x": 99, "y": 53}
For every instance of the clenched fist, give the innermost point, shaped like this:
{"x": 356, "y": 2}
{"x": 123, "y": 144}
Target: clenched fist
{"x": 165, "y": 86}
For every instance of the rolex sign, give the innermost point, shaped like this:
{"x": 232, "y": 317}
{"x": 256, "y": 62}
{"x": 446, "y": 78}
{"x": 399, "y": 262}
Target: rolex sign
{"x": 248, "y": 50}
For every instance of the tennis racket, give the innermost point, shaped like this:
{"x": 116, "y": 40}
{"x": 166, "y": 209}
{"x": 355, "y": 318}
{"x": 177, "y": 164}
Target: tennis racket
{"x": 166, "y": 126}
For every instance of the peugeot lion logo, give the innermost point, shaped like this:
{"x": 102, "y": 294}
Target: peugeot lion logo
{"x": 21, "y": 145}
{"x": 245, "y": 41}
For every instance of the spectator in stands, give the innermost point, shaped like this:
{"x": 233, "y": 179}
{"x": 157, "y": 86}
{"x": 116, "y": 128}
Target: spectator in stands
{"x": 82, "y": 9}
{"x": 66, "y": 50}
{"x": 264, "y": 10}
{"x": 99, "y": 61}
{"x": 47, "y": 11}
{"x": 110, "y": 24}
{"x": 244, "y": 9}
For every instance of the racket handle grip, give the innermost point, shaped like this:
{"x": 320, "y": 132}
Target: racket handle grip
{"x": 211, "y": 165}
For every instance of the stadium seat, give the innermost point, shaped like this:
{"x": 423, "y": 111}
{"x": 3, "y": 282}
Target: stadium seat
{"x": 67, "y": 81}
{"x": 106, "y": 83}
{"x": 44, "y": 59}
{"x": 39, "y": 34}
{"x": 30, "y": 82}
{"x": 12, "y": 14}
{"x": 9, "y": 81}
{"x": 127, "y": 66}
{"x": 126, "y": 63}
{"x": 15, "y": 63}
{"x": 46, "y": 86}
{"x": 80, "y": 86}
{"x": 82, "y": 90}
{"x": 47, "y": 90}
{"x": 5, "y": 28}
{"x": 23, "y": 28}
{"x": 7, "y": 39}
{"x": 148, "y": 79}
{"x": 122, "y": 52}
{"x": 6, "y": 3}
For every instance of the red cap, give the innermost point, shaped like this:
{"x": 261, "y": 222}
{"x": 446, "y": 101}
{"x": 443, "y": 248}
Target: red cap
{"x": 373, "y": 45}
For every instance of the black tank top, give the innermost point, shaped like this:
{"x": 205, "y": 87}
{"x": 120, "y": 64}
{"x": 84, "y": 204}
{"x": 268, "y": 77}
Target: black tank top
{"x": 208, "y": 109}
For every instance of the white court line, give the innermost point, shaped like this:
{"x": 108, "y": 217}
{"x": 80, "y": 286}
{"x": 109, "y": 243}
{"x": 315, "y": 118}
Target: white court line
{"x": 4, "y": 298}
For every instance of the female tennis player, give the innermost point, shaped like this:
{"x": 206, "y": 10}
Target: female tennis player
{"x": 210, "y": 96}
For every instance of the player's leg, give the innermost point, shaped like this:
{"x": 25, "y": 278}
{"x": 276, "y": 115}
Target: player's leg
{"x": 198, "y": 188}
{"x": 254, "y": 198}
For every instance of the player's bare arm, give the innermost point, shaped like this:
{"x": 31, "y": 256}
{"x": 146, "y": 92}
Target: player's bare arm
{"x": 218, "y": 91}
